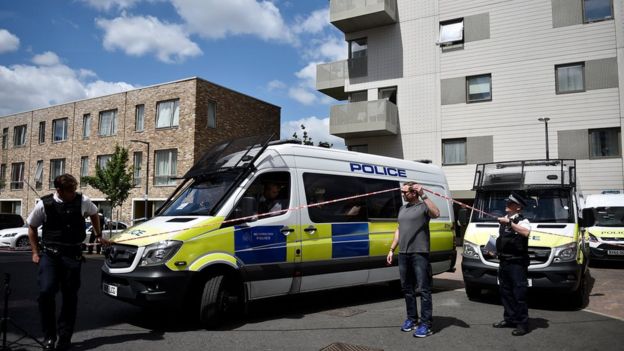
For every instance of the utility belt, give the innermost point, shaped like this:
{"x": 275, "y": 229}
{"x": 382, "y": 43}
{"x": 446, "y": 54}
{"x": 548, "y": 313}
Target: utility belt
{"x": 58, "y": 250}
{"x": 509, "y": 258}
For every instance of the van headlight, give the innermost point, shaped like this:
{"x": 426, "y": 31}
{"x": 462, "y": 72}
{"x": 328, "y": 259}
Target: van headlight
{"x": 471, "y": 250}
{"x": 565, "y": 252}
{"x": 160, "y": 252}
{"x": 593, "y": 238}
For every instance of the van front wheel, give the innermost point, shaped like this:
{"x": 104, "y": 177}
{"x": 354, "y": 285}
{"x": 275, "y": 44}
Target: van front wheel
{"x": 218, "y": 300}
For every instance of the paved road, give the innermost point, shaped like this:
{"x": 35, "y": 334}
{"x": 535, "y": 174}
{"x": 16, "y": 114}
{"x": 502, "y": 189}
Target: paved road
{"x": 368, "y": 317}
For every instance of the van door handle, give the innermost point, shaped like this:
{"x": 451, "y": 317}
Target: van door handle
{"x": 310, "y": 230}
{"x": 286, "y": 230}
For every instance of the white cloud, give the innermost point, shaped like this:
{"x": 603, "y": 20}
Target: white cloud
{"x": 109, "y": 4}
{"x": 302, "y": 95}
{"x": 307, "y": 75}
{"x": 318, "y": 130}
{"x": 48, "y": 58}
{"x": 8, "y": 41}
{"x": 138, "y": 36}
{"x": 26, "y": 87}
{"x": 276, "y": 84}
{"x": 215, "y": 19}
{"x": 314, "y": 23}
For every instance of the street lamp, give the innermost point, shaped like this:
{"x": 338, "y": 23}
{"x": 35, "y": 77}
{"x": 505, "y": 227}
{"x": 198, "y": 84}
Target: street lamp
{"x": 545, "y": 120}
{"x": 146, "y": 172}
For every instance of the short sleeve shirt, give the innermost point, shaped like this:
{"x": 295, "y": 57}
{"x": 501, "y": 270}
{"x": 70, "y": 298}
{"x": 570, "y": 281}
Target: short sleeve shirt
{"x": 414, "y": 234}
{"x": 38, "y": 216}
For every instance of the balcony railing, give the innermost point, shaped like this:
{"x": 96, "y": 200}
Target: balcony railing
{"x": 355, "y": 15}
{"x": 330, "y": 79}
{"x": 366, "y": 118}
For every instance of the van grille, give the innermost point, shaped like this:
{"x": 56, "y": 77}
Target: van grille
{"x": 537, "y": 255}
{"x": 120, "y": 256}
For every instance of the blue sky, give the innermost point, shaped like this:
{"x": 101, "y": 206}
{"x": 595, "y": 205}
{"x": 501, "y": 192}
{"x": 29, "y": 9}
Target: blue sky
{"x": 54, "y": 51}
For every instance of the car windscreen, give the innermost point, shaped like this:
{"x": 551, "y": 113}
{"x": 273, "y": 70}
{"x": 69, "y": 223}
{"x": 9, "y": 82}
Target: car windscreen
{"x": 609, "y": 216}
{"x": 543, "y": 206}
{"x": 202, "y": 195}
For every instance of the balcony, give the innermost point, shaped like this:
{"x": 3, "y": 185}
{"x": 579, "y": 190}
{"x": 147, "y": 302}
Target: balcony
{"x": 355, "y": 15}
{"x": 364, "y": 119}
{"x": 330, "y": 79}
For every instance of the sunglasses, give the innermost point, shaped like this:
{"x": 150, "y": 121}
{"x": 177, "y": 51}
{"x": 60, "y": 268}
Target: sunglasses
{"x": 407, "y": 192}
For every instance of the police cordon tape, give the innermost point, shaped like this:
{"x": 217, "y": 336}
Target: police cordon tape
{"x": 318, "y": 204}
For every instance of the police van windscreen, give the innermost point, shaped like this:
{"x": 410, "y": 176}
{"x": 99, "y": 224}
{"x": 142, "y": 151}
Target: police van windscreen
{"x": 609, "y": 216}
{"x": 543, "y": 205}
{"x": 201, "y": 196}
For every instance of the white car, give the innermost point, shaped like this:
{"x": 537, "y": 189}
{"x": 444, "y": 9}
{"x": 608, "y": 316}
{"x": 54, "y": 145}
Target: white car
{"x": 15, "y": 238}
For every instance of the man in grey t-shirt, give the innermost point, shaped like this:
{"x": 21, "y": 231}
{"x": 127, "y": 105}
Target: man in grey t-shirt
{"x": 412, "y": 236}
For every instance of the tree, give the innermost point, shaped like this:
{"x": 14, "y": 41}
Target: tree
{"x": 115, "y": 179}
{"x": 307, "y": 140}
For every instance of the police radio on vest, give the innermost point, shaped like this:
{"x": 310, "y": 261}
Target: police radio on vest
{"x": 375, "y": 169}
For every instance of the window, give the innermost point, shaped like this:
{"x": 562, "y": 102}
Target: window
{"x": 389, "y": 94}
{"x": 359, "y": 148}
{"x": 86, "y": 126}
{"x": 59, "y": 129}
{"x": 451, "y": 32}
{"x": 2, "y": 175}
{"x": 84, "y": 170}
{"x": 102, "y": 160}
{"x": 597, "y": 10}
{"x": 358, "y": 48}
{"x": 357, "y": 96}
{"x": 168, "y": 114}
{"x": 57, "y": 167}
{"x": 139, "y": 118}
{"x": 166, "y": 167}
{"x": 19, "y": 135}
{"x": 324, "y": 187}
{"x": 108, "y": 123}
{"x": 5, "y": 138}
{"x": 454, "y": 151}
{"x": 42, "y": 132}
{"x": 39, "y": 175}
{"x": 266, "y": 197}
{"x": 138, "y": 159}
{"x": 17, "y": 176}
{"x": 604, "y": 143}
{"x": 212, "y": 114}
{"x": 570, "y": 78}
{"x": 479, "y": 88}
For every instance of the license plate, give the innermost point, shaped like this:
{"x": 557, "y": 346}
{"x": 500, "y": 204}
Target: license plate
{"x": 109, "y": 289}
{"x": 529, "y": 282}
{"x": 615, "y": 252}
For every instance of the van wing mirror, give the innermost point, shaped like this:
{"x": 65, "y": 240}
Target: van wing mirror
{"x": 463, "y": 216}
{"x": 588, "y": 219}
{"x": 249, "y": 207}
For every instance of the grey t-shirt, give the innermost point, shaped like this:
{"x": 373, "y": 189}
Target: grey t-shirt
{"x": 414, "y": 234}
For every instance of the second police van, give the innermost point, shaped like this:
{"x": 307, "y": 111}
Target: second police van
{"x": 605, "y": 237}
{"x": 556, "y": 244}
{"x": 212, "y": 246}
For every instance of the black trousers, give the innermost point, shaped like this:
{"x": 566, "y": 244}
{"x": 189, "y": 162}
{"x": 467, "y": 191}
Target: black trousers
{"x": 512, "y": 277}
{"x": 58, "y": 272}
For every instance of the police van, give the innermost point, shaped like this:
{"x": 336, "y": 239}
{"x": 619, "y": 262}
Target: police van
{"x": 557, "y": 260}
{"x": 256, "y": 219}
{"x": 606, "y": 237}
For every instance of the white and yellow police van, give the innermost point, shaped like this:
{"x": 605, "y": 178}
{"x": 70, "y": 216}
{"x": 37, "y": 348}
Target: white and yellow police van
{"x": 606, "y": 237}
{"x": 556, "y": 245}
{"x": 211, "y": 244}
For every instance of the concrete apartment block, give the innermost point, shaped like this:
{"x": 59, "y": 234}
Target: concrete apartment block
{"x": 208, "y": 114}
{"x": 471, "y": 79}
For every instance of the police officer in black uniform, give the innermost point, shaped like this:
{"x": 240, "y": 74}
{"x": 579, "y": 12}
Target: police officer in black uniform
{"x": 512, "y": 246}
{"x": 59, "y": 258}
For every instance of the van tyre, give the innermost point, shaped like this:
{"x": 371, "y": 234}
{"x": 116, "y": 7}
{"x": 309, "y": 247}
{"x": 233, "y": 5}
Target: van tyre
{"x": 473, "y": 292}
{"x": 218, "y": 302}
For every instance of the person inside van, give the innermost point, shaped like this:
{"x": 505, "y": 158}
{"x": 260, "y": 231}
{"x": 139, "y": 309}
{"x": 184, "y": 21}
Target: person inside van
{"x": 271, "y": 202}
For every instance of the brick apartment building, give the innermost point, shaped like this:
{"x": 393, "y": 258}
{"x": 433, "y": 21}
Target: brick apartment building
{"x": 177, "y": 122}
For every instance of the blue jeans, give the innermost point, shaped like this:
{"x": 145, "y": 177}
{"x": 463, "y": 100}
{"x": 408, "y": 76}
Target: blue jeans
{"x": 415, "y": 272}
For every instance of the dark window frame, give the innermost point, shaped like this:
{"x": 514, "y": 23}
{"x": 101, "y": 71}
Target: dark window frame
{"x": 586, "y": 21}
{"x": 42, "y": 126}
{"x": 468, "y": 78}
{"x": 465, "y": 141}
{"x": 618, "y": 138}
{"x": 449, "y": 22}
{"x": 139, "y": 110}
{"x": 557, "y": 90}
{"x": 66, "y": 130}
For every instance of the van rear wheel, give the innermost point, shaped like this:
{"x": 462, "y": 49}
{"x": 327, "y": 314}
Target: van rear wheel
{"x": 218, "y": 301}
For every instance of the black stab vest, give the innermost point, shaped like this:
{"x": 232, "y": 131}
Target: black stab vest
{"x": 65, "y": 224}
{"x": 510, "y": 244}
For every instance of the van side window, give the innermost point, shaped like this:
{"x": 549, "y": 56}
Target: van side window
{"x": 321, "y": 188}
{"x": 267, "y": 196}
